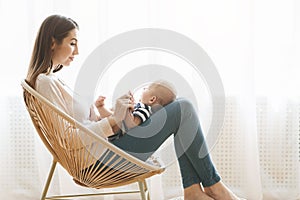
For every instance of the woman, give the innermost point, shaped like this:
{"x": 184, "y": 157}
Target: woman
{"x": 56, "y": 46}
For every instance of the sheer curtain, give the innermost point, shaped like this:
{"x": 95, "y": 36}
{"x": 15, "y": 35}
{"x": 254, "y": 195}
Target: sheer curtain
{"x": 254, "y": 46}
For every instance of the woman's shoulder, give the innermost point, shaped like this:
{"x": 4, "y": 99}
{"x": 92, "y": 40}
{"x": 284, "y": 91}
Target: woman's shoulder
{"x": 46, "y": 77}
{"x": 46, "y": 80}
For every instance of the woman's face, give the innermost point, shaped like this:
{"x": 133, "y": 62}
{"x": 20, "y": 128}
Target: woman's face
{"x": 65, "y": 52}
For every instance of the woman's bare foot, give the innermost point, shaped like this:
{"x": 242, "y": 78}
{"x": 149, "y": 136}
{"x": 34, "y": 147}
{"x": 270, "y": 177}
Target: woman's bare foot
{"x": 194, "y": 192}
{"x": 219, "y": 191}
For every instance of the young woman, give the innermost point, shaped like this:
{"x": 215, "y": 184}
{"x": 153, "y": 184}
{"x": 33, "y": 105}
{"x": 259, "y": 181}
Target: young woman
{"x": 56, "y": 46}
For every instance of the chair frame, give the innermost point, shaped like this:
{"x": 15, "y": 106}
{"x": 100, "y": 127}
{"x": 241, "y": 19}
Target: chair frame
{"x": 35, "y": 103}
{"x": 143, "y": 189}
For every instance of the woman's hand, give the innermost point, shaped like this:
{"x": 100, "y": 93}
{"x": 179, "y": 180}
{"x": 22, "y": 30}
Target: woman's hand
{"x": 132, "y": 121}
{"x": 123, "y": 105}
{"x": 131, "y": 97}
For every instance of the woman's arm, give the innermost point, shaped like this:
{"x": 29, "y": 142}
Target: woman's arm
{"x": 52, "y": 89}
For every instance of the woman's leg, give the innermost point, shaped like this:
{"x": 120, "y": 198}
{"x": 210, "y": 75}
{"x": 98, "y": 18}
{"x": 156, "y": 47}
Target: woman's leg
{"x": 142, "y": 141}
{"x": 179, "y": 118}
{"x": 190, "y": 146}
{"x": 194, "y": 162}
{"x": 190, "y": 180}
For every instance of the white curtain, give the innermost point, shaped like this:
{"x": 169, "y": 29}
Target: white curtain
{"x": 254, "y": 46}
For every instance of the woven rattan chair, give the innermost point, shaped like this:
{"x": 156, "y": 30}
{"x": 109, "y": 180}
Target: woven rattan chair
{"x": 62, "y": 135}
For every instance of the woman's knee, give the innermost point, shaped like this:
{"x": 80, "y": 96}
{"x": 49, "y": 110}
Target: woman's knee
{"x": 186, "y": 106}
{"x": 180, "y": 109}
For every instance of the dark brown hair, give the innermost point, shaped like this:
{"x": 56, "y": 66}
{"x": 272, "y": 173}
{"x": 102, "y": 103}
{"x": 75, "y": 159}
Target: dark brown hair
{"x": 55, "y": 27}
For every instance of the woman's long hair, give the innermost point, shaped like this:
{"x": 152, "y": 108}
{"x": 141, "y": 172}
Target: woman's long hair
{"x": 55, "y": 27}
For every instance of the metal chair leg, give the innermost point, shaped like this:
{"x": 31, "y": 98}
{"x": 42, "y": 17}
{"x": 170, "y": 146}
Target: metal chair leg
{"x": 145, "y": 195}
{"x": 146, "y": 188}
{"x": 50, "y": 175}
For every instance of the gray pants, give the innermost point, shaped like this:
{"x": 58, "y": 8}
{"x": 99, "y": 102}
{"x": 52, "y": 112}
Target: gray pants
{"x": 178, "y": 118}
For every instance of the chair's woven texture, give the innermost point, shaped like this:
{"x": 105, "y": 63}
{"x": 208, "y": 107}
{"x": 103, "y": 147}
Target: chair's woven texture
{"x": 75, "y": 153}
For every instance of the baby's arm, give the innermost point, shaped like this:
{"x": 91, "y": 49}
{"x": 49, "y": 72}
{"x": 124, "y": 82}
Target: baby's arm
{"x": 103, "y": 111}
{"x": 140, "y": 114}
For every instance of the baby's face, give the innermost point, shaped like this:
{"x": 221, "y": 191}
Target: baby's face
{"x": 147, "y": 95}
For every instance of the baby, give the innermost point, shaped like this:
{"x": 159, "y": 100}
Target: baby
{"x": 156, "y": 95}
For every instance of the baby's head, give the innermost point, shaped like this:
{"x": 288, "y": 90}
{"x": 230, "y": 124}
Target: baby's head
{"x": 159, "y": 92}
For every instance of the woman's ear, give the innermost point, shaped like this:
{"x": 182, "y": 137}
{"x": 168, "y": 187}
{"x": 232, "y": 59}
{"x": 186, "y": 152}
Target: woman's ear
{"x": 53, "y": 44}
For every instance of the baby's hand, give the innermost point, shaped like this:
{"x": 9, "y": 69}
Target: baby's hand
{"x": 100, "y": 101}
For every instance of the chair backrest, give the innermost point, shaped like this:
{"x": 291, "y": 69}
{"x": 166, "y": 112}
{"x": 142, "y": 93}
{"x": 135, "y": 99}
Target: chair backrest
{"x": 76, "y": 148}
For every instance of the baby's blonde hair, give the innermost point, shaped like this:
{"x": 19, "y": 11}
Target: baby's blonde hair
{"x": 164, "y": 91}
